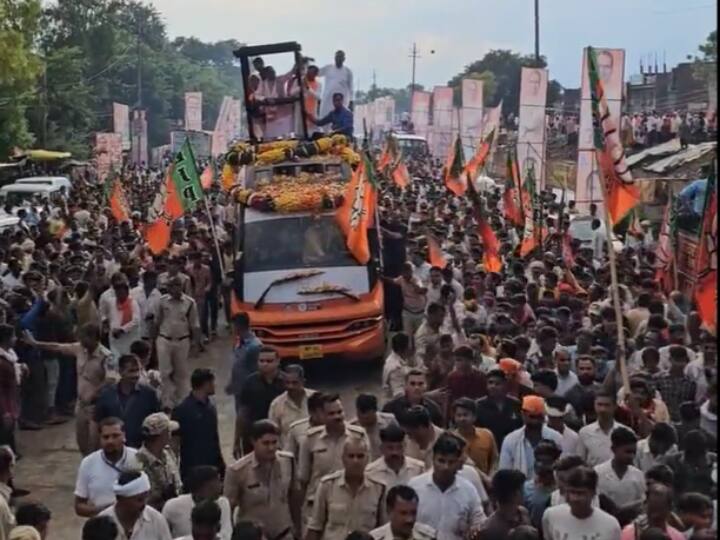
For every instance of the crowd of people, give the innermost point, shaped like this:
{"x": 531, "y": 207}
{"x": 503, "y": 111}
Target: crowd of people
{"x": 502, "y": 413}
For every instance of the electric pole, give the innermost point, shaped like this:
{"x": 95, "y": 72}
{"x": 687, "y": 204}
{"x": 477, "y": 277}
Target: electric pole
{"x": 537, "y": 32}
{"x": 414, "y": 54}
{"x": 139, "y": 60}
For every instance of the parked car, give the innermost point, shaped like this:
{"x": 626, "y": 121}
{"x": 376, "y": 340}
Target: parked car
{"x": 580, "y": 228}
{"x": 53, "y": 181}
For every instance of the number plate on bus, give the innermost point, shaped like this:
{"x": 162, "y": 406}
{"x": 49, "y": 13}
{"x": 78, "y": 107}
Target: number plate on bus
{"x": 308, "y": 352}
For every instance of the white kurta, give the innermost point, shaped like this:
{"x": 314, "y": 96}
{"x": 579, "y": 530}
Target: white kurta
{"x": 337, "y": 80}
{"x": 131, "y": 330}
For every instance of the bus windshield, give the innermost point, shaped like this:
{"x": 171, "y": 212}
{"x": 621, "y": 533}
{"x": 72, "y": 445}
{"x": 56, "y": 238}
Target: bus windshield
{"x": 294, "y": 242}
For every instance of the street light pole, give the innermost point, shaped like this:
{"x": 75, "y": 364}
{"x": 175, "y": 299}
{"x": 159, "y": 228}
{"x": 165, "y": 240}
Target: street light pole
{"x": 537, "y": 32}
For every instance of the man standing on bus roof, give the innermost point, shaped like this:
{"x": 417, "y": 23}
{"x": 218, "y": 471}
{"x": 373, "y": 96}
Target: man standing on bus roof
{"x": 338, "y": 79}
{"x": 340, "y": 118}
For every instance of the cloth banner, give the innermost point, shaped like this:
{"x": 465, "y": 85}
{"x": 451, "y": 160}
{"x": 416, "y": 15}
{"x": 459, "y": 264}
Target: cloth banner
{"x": 531, "y": 125}
{"x": 611, "y": 71}
{"x": 471, "y": 114}
{"x": 420, "y": 115}
{"x": 121, "y": 123}
{"x": 442, "y": 120}
{"x": 108, "y": 153}
{"x": 193, "y": 111}
{"x": 139, "y": 148}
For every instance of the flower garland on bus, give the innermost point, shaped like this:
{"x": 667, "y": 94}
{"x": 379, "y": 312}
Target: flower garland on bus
{"x": 307, "y": 192}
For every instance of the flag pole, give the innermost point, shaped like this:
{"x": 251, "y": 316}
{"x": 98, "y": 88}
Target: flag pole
{"x": 615, "y": 295}
{"x": 214, "y": 235}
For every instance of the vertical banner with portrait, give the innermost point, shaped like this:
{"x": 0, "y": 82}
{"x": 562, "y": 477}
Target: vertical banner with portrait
{"x": 108, "y": 153}
{"x": 193, "y": 111}
{"x": 471, "y": 114}
{"x": 611, "y": 71}
{"x": 442, "y": 119}
{"x": 139, "y": 127}
{"x": 531, "y": 124}
{"x": 121, "y": 123}
{"x": 421, "y": 112}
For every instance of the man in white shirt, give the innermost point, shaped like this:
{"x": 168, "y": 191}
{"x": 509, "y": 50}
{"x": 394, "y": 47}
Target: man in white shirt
{"x": 653, "y": 449}
{"x": 566, "y": 377}
{"x": 205, "y": 519}
{"x": 338, "y": 79}
{"x": 622, "y": 484}
{"x": 396, "y": 366}
{"x": 100, "y": 470}
{"x": 204, "y": 484}
{"x": 557, "y": 410}
{"x": 134, "y": 518}
{"x": 448, "y": 503}
{"x": 594, "y": 444}
{"x": 578, "y": 518}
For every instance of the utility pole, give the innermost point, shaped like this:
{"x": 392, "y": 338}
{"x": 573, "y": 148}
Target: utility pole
{"x": 45, "y": 102}
{"x": 414, "y": 56}
{"x": 139, "y": 60}
{"x": 537, "y": 32}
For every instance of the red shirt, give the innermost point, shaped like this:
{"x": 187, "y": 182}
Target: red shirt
{"x": 471, "y": 385}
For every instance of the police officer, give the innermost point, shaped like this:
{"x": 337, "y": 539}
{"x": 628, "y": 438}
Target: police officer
{"x": 402, "y": 506}
{"x": 262, "y": 485}
{"x": 297, "y": 431}
{"x": 321, "y": 451}
{"x": 347, "y": 500}
{"x": 177, "y": 326}
{"x": 394, "y": 467}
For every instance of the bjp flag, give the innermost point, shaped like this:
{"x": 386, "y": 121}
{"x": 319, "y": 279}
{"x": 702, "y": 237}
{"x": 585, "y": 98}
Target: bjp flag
{"x": 455, "y": 176}
{"x": 355, "y": 214}
{"x": 491, "y": 252}
{"x": 207, "y": 177}
{"x": 401, "y": 175}
{"x": 118, "y": 202}
{"x": 480, "y": 157}
{"x": 435, "y": 254}
{"x": 620, "y": 192}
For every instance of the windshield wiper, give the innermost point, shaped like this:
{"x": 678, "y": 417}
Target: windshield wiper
{"x": 326, "y": 288}
{"x": 295, "y": 276}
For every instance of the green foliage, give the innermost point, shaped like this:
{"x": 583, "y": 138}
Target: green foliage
{"x": 402, "y": 96}
{"x": 92, "y": 50}
{"x": 505, "y": 66}
{"x": 705, "y": 68}
{"x": 19, "y": 68}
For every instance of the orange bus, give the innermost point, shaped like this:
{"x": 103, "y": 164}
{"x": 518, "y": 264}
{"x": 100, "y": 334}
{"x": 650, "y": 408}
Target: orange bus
{"x": 305, "y": 294}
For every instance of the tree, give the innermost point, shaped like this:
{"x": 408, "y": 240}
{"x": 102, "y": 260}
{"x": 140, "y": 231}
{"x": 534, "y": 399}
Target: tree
{"x": 505, "y": 66}
{"x": 19, "y": 68}
{"x": 489, "y": 87}
{"x": 705, "y": 68}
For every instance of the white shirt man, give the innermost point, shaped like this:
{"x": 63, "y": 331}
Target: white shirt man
{"x": 337, "y": 80}
{"x": 622, "y": 491}
{"x": 177, "y": 512}
{"x": 96, "y": 476}
{"x": 453, "y": 512}
{"x": 558, "y": 523}
{"x": 594, "y": 445}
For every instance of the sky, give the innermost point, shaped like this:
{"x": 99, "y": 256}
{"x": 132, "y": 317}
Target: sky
{"x": 377, "y": 35}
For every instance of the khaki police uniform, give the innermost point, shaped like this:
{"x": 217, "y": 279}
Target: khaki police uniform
{"x": 295, "y": 435}
{"x": 338, "y": 512}
{"x": 262, "y": 494}
{"x": 420, "y": 532}
{"x": 284, "y": 411}
{"x": 165, "y": 277}
{"x": 176, "y": 322}
{"x": 383, "y": 420}
{"x": 319, "y": 455}
{"x": 381, "y": 472}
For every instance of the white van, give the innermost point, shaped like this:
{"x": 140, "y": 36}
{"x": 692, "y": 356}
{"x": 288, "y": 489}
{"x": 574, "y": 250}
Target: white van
{"x": 53, "y": 181}
{"x": 19, "y": 195}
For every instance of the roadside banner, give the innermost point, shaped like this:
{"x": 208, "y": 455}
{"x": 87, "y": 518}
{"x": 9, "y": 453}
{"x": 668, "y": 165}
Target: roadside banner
{"x": 531, "y": 125}
{"x": 421, "y": 112}
{"x": 108, "y": 153}
{"x": 442, "y": 119}
{"x": 193, "y": 111}
{"x": 610, "y": 70}
{"x": 471, "y": 114}
{"x": 121, "y": 123}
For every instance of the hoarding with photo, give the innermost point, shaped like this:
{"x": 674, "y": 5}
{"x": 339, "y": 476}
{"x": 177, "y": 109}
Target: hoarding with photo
{"x": 108, "y": 153}
{"x": 121, "y": 123}
{"x": 421, "y": 112}
{"x": 442, "y": 119}
{"x": 532, "y": 123}
{"x": 193, "y": 111}
{"x": 471, "y": 114}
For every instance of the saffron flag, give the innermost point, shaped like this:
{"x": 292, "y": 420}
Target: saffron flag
{"x": 400, "y": 174}
{"x": 207, "y": 177}
{"x": 620, "y": 192}
{"x": 478, "y": 161}
{"x": 355, "y": 215}
{"x": 533, "y": 233}
{"x": 491, "y": 250}
{"x": 664, "y": 253}
{"x": 435, "y": 254}
{"x": 567, "y": 252}
{"x": 228, "y": 177}
{"x": 118, "y": 202}
{"x": 512, "y": 203}
{"x": 389, "y": 153}
{"x": 706, "y": 284}
{"x": 180, "y": 192}
{"x": 455, "y": 177}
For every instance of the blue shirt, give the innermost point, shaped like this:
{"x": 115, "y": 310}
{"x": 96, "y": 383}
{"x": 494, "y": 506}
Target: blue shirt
{"x": 245, "y": 358}
{"x": 694, "y": 193}
{"x": 132, "y": 409}
{"x": 340, "y": 121}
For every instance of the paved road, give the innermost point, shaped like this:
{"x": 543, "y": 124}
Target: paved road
{"x": 50, "y": 457}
